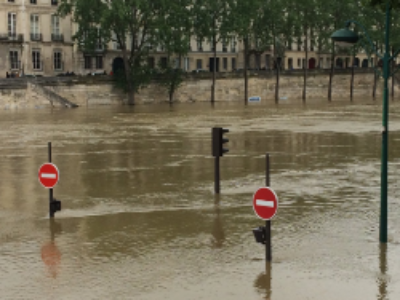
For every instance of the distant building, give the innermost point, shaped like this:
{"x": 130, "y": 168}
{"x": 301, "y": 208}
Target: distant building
{"x": 34, "y": 41}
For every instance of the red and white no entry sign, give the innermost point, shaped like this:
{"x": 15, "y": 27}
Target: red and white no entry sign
{"x": 265, "y": 203}
{"x": 48, "y": 175}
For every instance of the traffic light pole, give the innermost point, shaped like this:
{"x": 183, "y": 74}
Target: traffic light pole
{"x": 268, "y": 252}
{"x": 216, "y": 175}
{"x": 218, "y": 150}
{"x": 51, "y": 211}
{"x": 54, "y": 204}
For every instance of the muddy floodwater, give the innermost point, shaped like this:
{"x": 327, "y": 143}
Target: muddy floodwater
{"x": 140, "y": 220}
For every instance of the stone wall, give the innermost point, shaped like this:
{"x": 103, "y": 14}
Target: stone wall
{"x": 85, "y": 91}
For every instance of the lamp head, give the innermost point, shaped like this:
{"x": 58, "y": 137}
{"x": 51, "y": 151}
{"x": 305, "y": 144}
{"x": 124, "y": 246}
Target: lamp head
{"x": 345, "y": 36}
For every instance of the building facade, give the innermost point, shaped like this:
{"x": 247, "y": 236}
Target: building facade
{"x": 35, "y": 41}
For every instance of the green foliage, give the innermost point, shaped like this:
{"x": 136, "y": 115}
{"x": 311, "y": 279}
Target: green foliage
{"x": 170, "y": 78}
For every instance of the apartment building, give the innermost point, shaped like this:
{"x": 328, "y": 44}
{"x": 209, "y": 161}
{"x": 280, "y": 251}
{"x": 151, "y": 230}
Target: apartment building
{"x": 33, "y": 40}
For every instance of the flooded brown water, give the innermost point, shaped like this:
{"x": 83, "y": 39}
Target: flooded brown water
{"x": 140, "y": 220}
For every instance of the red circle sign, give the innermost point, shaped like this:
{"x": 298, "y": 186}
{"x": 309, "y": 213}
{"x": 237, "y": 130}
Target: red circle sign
{"x": 265, "y": 203}
{"x": 48, "y": 175}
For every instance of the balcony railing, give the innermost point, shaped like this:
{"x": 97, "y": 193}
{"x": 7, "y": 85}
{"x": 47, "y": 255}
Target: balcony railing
{"x": 57, "y": 37}
{"x": 36, "y": 36}
{"x": 11, "y": 36}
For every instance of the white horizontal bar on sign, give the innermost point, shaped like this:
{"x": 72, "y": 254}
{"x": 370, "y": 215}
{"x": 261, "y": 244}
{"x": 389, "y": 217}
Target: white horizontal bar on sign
{"x": 48, "y": 175}
{"x": 265, "y": 203}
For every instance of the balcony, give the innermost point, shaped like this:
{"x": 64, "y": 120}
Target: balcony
{"x": 36, "y": 36}
{"x": 57, "y": 37}
{"x": 11, "y": 37}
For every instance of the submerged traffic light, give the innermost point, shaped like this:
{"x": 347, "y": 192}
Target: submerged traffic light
{"x": 218, "y": 141}
{"x": 259, "y": 235}
{"x": 55, "y": 206}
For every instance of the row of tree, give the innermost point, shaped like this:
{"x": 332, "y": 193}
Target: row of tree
{"x": 139, "y": 26}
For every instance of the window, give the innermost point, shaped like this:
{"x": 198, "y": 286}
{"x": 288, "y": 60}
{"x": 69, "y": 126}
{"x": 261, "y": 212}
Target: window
{"x": 224, "y": 46}
{"x": 151, "y": 62}
{"x": 88, "y": 62}
{"x": 54, "y": 2}
{"x": 225, "y": 63}
{"x": 12, "y": 25}
{"x": 55, "y": 25}
{"x": 116, "y": 44}
{"x": 199, "y": 45}
{"x": 57, "y": 60}
{"x": 233, "y": 45}
{"x": 290, "y": 63}
{"x": 14, "y": 60}
{"x": 267, "y": 61}
{"x": 11, "y": 0}
{"x": 99, "y": 41}
{"x": 35, "y": 35}
{"x": 163, "y": 62}
{"x": 258, "y": 62}
{"x": 199, "y": 64}
{"x": 33, "y": 2}
{"x": 233, "y": 63}
{"x": 186, "y": 64}
{"x": 99, "y": 62}
{"x": 36, "y": 59}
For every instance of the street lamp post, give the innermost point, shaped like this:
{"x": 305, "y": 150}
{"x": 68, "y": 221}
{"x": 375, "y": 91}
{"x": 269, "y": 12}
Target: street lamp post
{"x": 350, "y": 37}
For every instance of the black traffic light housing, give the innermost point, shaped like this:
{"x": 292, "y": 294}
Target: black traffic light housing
{"x": 260, "y": 235}
{"x": 218, "y": 141}
{"x": 55, "y": 206}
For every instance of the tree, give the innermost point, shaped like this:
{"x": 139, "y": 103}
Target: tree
{"x": 174, "y": 37}
{"x": 249, "y": 29}
{"x": 266, "y": 23}
{"x": 213, "y": 23}
{"x": 132, "y": 24}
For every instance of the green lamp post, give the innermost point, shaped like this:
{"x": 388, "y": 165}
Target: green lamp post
{"x": 350, "y": 37}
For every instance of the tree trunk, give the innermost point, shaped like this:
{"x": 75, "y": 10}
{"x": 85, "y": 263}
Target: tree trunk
{"x": 277, "y": 66}
{"x": 331, "y": 74}
{"x": 305, "y": 67}
{"x": 352, "y": 80}
{"x": 129, "y": 85}
{"x": 214, "y": 70}
{"x": 392, "y": 70}
{"x": 393, "y": 80}
{"x": 246, "y": 80}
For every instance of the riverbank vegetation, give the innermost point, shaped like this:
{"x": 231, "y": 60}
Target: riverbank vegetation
{"x": 139, "y": 26}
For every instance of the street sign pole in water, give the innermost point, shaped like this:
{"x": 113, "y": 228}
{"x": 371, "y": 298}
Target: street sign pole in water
{"x": 48, "y": 177}
{"x": 265, "y": 206}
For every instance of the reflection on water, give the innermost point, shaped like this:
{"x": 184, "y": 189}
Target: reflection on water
{"x": 50, "y": 253}
{"x": 218, "y": 228}
{"x": 139, "y": 209}
{"x": 263, "y": 281}
{"x": 383, "y": 279}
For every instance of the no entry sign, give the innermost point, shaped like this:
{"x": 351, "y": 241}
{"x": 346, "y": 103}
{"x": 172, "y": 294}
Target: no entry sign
{"x": 265, "y": 203}
{"x": 48, "y": 175}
